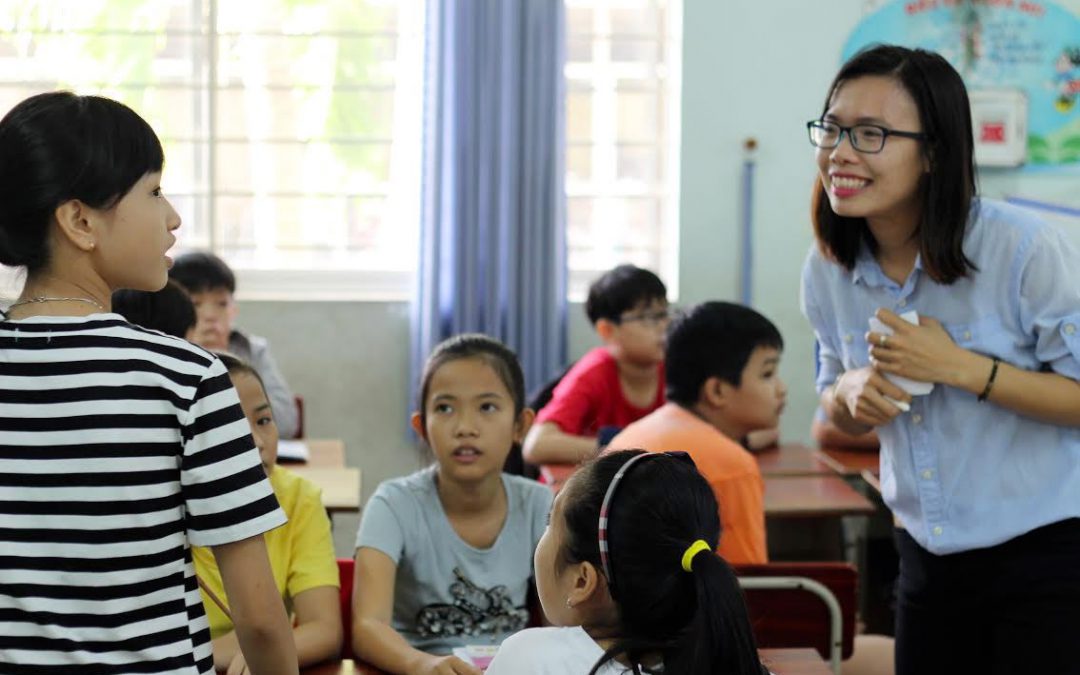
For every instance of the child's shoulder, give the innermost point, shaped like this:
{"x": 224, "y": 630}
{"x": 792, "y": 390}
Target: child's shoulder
{"x": 545, "y": 636}
{"x": 597, "y": 362}
{"x": 412, "y": 487}
{"x": 292, "y": 489}
{"x": 526, "y": 491}
{"x": 541, "y": 650}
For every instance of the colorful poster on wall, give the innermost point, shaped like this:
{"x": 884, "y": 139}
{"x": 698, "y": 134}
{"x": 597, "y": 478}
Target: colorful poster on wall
{"x": 1028, "y": 45}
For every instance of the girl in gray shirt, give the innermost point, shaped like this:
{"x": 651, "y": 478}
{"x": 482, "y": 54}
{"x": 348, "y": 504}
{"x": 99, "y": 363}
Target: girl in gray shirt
{"x": 444, "y": 556}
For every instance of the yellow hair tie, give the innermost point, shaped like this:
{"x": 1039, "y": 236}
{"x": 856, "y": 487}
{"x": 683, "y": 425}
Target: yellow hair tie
{"x": 691, "y": 551}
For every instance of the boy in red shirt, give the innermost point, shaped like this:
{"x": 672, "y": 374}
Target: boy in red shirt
{"x": 612, "y": 385}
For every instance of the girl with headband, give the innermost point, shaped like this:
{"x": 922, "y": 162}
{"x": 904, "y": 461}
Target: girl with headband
{"x": 627, "y": 574}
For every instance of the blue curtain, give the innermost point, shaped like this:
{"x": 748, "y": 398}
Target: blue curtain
{"x": 492, "y": 231}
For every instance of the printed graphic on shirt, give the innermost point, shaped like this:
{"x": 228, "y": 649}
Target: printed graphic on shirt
{"x": 475, "y": 611}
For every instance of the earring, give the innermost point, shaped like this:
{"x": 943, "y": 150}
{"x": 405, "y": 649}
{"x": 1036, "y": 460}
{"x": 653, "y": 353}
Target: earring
{"x": 568, "y": 605}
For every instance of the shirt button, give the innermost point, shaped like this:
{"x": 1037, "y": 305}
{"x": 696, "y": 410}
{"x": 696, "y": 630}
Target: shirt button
{"x": 1070, "y": 329}
{"x": 938, "y": 530}
{"x": 916, "y": 419}
{"x": 967, "y": 335}
{"x": 902, "y": 303}
{"x": 927, "y": 474}
{"x": 848, "y": 338}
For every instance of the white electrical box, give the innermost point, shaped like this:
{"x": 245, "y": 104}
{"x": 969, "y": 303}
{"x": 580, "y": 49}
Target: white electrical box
{"x": 999, "y": 124}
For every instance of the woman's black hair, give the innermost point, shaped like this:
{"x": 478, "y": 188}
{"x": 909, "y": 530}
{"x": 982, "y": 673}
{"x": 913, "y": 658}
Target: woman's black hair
{"x": 498, "y": 356}
{"x": 169, "y": 310}
{"x": 946, "y": 192}
{"x": 59, "y": 146}
{"x": 697, "y": 621}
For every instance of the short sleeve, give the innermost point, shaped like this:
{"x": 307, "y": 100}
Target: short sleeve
{"x": 572, "y": 404}
{"x": 517, "y": 655}
{"x": 380, "y": 527}
{"x": 313, "y": 563}
{"x": 829, "y": 365}
{"x": 225, "y": 490}
{"x": 1050, "y": 301}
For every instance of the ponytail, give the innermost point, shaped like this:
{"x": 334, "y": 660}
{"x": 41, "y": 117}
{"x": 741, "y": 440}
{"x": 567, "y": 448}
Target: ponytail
{"x": 719, "y": 638}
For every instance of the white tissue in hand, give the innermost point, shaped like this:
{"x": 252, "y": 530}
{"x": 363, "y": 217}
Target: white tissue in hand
{"x": 913, "y": 387}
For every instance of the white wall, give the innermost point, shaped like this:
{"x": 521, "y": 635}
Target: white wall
{"x": 756, "y": 70}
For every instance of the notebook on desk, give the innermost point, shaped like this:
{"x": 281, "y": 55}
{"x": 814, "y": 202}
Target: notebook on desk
{"x": 293, "y": 451}
{"x": 478, "y": 655}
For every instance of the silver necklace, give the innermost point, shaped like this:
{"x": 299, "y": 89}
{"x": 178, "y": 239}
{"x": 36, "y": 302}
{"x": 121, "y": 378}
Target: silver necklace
{"x": 44, "y": 298}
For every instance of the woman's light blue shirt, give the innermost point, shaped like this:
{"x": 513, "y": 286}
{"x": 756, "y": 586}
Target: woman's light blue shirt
{"x": 960, "y": 474}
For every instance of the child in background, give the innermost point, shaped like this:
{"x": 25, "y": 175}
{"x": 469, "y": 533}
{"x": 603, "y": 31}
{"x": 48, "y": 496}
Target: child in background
{"x": 723, "y": 381}
{"x": 169, "y": 310}
{"x": 212, "y": 286}
{"x": 612, "y": 385}
{"x": 645, "y": 593}
{"x": 301, "y": 551}
{"x": 444, "y": 556}
{"x": 121, "y": 447}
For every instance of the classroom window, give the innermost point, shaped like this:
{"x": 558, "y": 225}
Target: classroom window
{"x": 291, "y": 127}
{"x": 622, "y": 133}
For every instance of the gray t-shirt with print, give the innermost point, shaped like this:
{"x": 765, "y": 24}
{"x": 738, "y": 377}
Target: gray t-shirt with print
{"x": 446, "y": 592}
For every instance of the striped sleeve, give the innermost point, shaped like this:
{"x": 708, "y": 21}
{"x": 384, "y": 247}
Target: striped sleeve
{"x": 225, "y": 490}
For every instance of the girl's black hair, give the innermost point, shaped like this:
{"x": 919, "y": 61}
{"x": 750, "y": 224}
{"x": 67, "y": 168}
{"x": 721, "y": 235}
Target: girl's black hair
{"x": 501, "y": 358}
{"x": 169, "y": 310}
{"x": 236, "y": 365}
{"x": 947, "y": 190}
{"x": 59, "y": 146}
{"x": 697, "y": 621}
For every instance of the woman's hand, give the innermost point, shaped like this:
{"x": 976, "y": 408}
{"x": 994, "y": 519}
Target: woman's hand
{"x": 863, "y": 393}
{"x": 925, "y": 353}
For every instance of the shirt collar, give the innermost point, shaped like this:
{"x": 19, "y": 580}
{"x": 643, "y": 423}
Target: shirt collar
{"x": 868, "y": 271}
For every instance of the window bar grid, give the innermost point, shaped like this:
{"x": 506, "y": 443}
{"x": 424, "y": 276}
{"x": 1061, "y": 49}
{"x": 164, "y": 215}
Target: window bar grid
{"x": 211, "y": 148}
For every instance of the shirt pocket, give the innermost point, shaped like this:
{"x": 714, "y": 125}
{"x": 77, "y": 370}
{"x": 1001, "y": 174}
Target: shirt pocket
{"x": 985, "y": 335}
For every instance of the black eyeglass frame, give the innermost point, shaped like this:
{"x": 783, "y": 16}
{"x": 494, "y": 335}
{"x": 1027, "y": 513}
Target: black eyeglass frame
{"x": 885, "y": 133}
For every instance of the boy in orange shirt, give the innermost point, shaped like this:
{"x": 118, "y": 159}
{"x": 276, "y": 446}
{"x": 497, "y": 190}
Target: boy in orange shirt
{"x": 722, "y": 383}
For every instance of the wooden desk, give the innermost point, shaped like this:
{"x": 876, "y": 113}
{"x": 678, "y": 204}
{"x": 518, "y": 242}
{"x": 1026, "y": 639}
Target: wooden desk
{"x": 340, "y": 486}
{"x": 779, "y": 661}
{"x": 849, "y": 461}
{"x": 794, "y": 662}
{"x": 327, "y": 452}
{"x": 812, "y": 496}
{"x": 792, "y": 459}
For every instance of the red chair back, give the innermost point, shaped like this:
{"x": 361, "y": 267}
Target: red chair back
{"x": 345, "y": 573}
{"x": 299, "y": 401}
{"x": 797, "y": 618}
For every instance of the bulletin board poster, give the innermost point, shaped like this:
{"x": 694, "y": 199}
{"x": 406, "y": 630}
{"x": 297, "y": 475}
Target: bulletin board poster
{"x": 1028, "y": 45}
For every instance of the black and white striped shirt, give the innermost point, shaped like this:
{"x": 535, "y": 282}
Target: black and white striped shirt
{"x": 119, "y": 449}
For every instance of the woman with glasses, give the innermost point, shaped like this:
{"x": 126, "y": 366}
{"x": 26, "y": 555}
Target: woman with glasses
{"x": 983, "y": 472}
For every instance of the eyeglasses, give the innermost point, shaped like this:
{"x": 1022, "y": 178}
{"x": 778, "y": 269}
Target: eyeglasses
{"x": 865, "y": 138}
{"x": 654, "y": 318}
